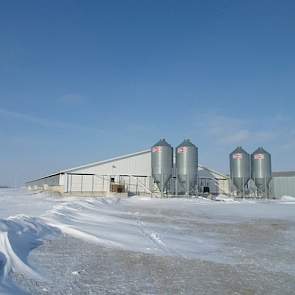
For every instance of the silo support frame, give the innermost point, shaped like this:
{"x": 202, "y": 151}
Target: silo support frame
{"x": 162, "y": 185}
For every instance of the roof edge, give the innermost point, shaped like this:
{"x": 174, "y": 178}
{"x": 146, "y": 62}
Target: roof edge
{"x": 214, "y": 171}
{"x": 90, "y": 165}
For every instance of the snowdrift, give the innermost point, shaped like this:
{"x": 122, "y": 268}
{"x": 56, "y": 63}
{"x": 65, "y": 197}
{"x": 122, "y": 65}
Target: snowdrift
{"x": 18, "y": 236}
{"x": 188, "y": 228}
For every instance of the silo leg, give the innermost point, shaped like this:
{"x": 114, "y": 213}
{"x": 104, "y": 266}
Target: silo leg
{"x": 162, "y": 185}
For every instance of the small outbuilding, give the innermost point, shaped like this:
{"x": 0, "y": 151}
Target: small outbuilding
{"x": 283, "y": 184}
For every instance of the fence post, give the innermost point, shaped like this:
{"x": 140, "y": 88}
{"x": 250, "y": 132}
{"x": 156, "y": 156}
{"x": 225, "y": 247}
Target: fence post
{"x": 71, "y": 183}
{"x": 136, "y": 185}
{"x": 66, "y": 182}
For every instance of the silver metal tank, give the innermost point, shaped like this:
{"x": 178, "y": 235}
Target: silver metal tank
{"x": 261, "y": 170}
{"x": 162, "y": 163}
{"x": 240, "y": 171}
{"x": 187, "y": 167}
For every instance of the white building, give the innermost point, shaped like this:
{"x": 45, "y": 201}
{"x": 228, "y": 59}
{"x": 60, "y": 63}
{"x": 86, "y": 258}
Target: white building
{"x": 129, "y": 173}
{"x": 283, "y": 184}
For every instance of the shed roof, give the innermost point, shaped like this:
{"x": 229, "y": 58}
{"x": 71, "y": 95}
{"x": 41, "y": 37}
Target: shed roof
{"x": 283, "y": 174}
{"x": 214, "y": 171}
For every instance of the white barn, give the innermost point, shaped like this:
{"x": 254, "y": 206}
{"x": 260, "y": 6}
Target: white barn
{"x": 125, "y": 174}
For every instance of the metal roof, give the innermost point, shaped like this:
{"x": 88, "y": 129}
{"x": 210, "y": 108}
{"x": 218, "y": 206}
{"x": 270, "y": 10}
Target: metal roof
{"x": 91, "y": 164}
{"x": 44, "y": 177}
{"x": 214, "y": 171}
{"x": 283, "y": 174}
{"x": 115, "y": 159}
{"x": 105, "y": 161}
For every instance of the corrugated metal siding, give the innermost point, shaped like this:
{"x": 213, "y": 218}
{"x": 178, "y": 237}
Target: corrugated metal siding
{"x": 283, "y": 186}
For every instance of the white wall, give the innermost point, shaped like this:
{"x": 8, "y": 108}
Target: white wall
{"x": 101, "y": 183}
{"x": 217, "y": 183}
{"x": 283, "y": 186}
{"x": 133, "y": 165}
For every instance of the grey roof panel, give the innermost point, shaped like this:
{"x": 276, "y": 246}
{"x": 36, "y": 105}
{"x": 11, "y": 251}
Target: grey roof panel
{"x": 283, "y": 174}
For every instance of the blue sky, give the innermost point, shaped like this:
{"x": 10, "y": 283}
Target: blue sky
{"x": 82, "y": 81}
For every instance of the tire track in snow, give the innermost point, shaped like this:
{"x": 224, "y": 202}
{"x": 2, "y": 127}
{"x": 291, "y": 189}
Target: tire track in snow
{"x": 154, "y": 237}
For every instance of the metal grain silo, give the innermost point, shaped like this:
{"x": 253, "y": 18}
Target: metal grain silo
{"x": 162, "y": 163}
{"x": 261, "y": 170}
{"x": 187, "y": 167}
{"x": 240, "y": 172}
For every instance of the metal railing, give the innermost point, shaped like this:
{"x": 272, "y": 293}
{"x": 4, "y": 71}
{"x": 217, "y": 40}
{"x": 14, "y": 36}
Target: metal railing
{"x": 92, "y": 183}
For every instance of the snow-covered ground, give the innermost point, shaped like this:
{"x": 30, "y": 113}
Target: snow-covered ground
{"x": 232, "y": 247}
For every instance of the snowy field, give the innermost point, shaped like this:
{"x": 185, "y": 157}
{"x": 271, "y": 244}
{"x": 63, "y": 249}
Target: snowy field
{"x": 54, "y": 245}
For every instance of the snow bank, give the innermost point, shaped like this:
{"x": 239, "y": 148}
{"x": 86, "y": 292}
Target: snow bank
{"x": 224, "y": 198}
{"x": 287, "y": 198}
{"x": 18, "y": 236}
{"x": 175, "y": 227}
